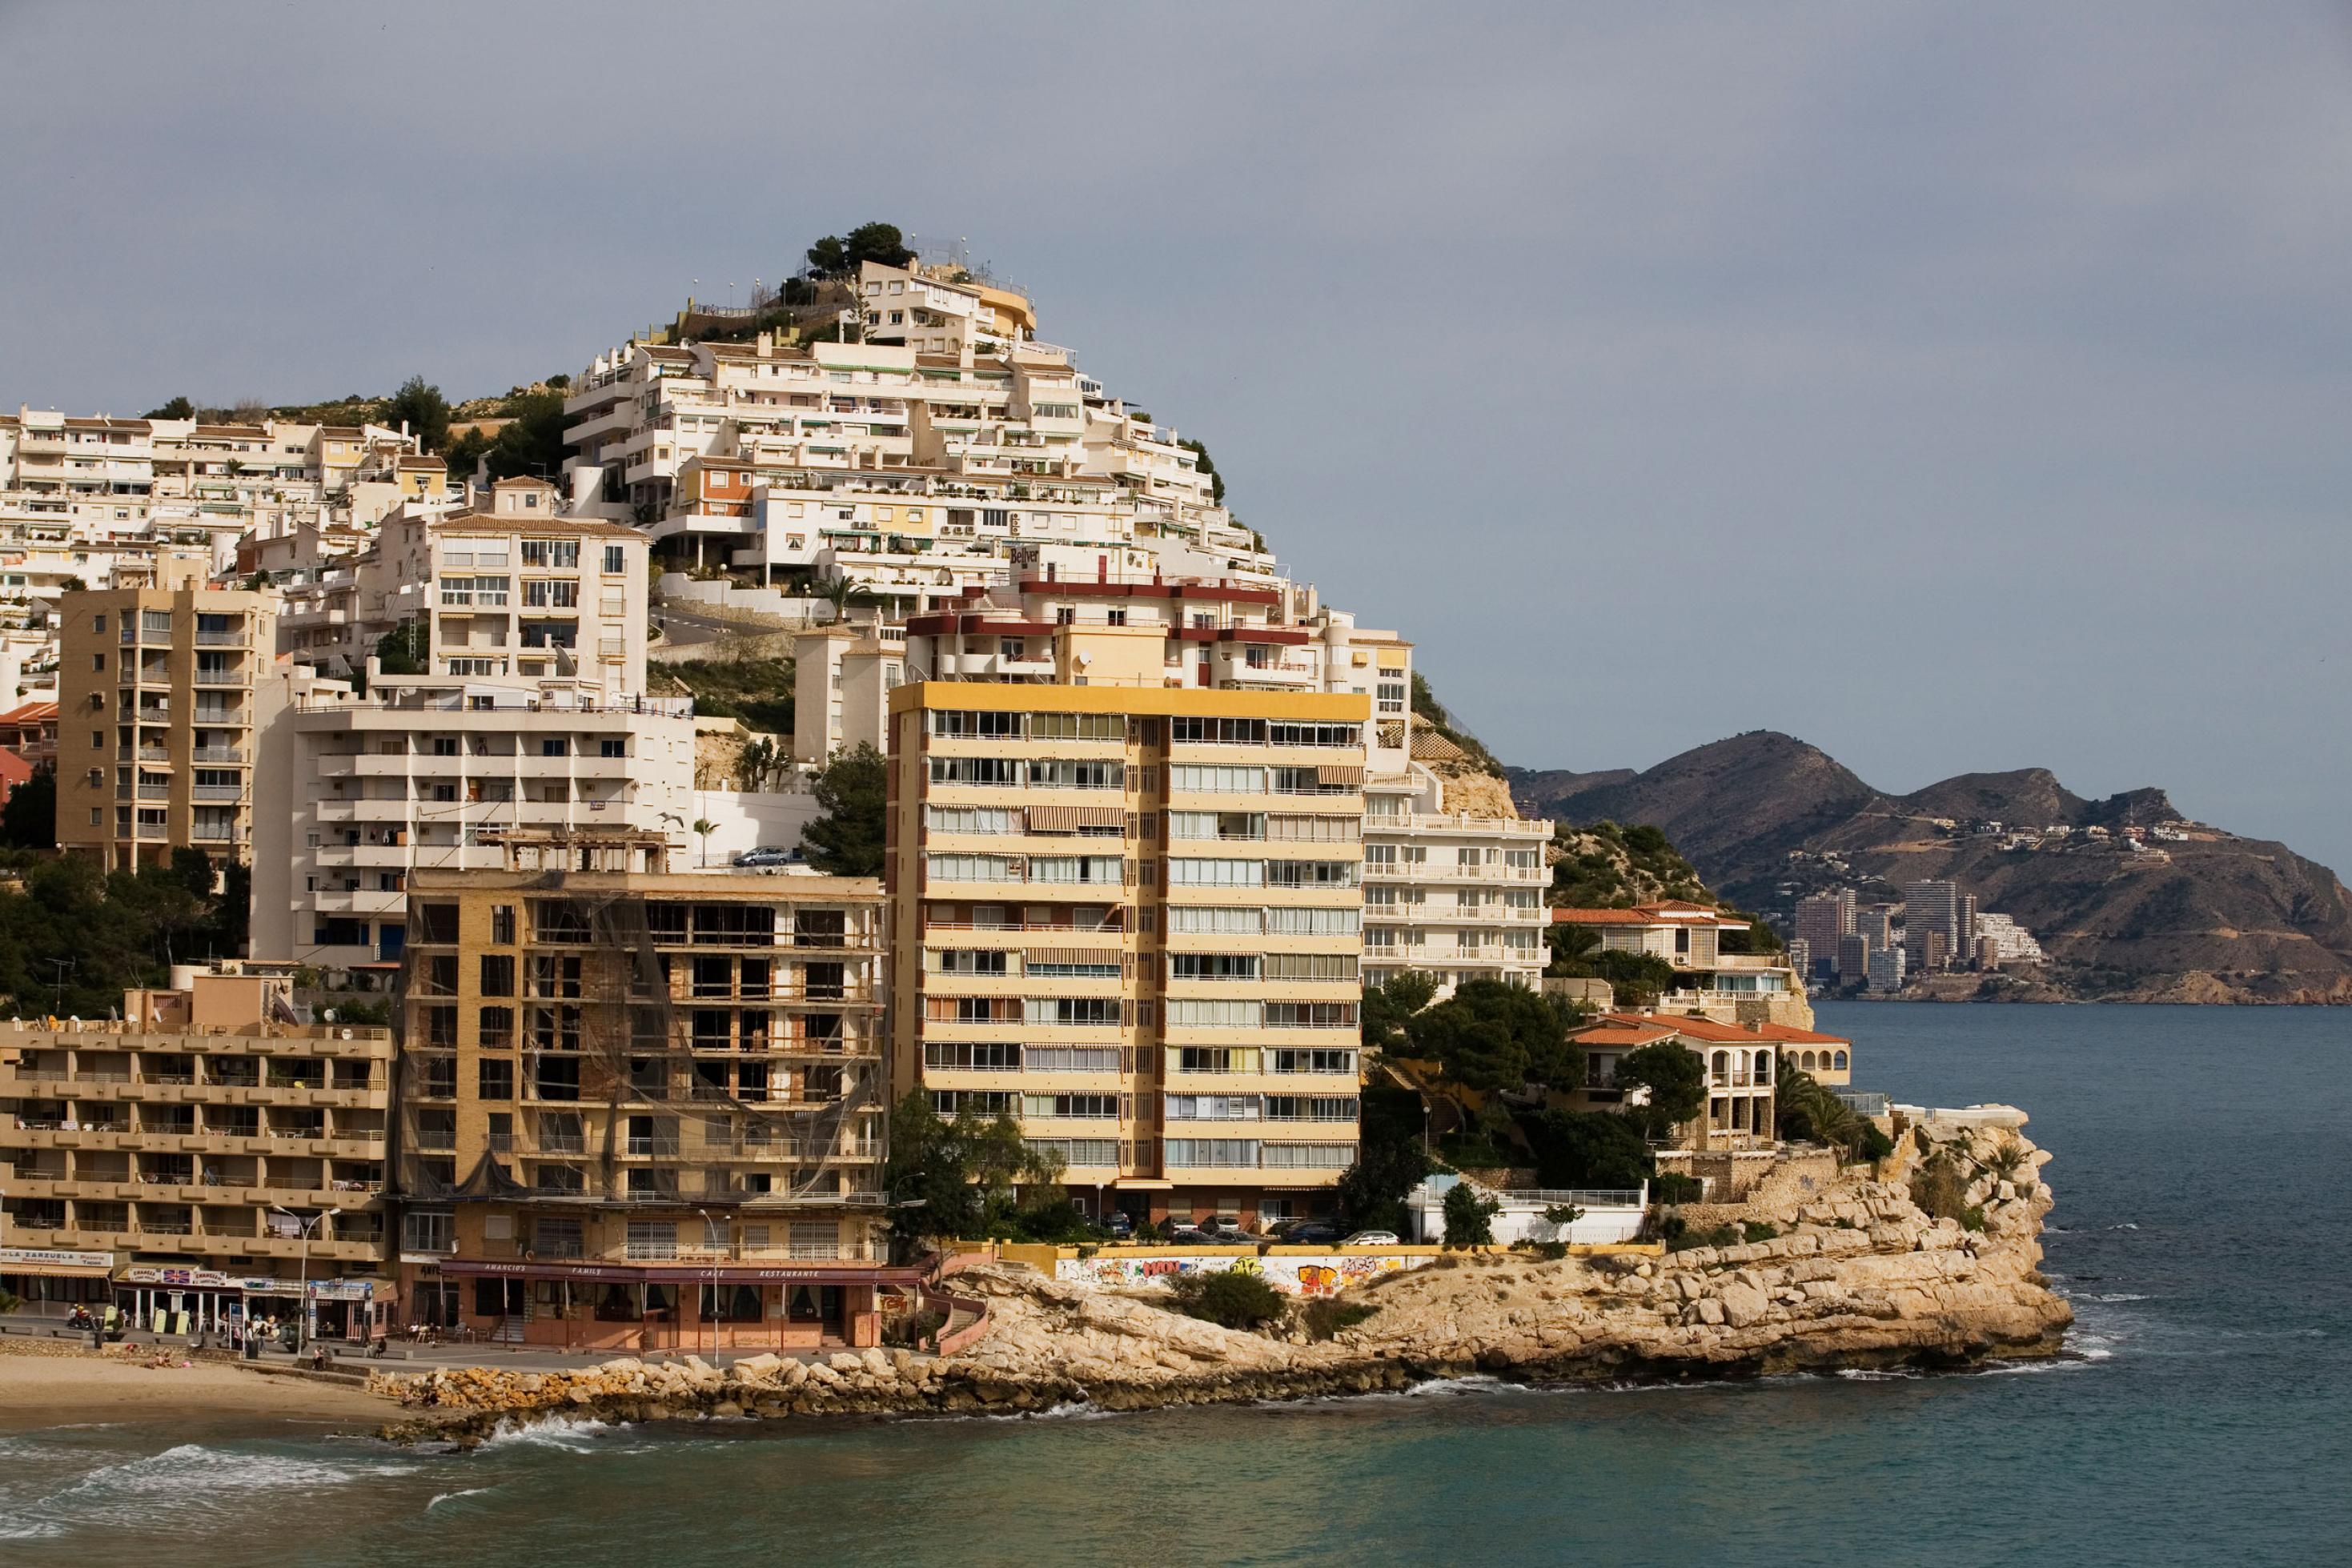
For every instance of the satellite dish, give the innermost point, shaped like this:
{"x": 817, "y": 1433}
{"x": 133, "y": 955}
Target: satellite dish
{"x": 1086, "y": 658}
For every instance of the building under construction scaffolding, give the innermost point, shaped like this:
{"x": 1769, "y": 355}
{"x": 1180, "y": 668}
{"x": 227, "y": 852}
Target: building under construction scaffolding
{"x": 638, "y": 1110}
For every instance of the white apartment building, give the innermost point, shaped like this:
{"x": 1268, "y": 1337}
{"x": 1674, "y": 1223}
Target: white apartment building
{"x": 902, "y": 466}
{"x": 529, "y": 712}
{"x": 1457, "y": 895}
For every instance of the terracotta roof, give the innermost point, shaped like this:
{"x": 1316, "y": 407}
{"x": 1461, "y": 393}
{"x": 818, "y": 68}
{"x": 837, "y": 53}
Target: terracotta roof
{"x": 1669, "y": 913}
{"x": 1428, "y": 746}
{"x": 1613, "y": 1031}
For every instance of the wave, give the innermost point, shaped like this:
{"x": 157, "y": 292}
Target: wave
{"x": 190, "y": 1481}
{"x": 572, "y": 1434}
{"x": 440, "y": 1497}
{"x": 2124, "y": 1227}
{"x": 2122, "y": 1296}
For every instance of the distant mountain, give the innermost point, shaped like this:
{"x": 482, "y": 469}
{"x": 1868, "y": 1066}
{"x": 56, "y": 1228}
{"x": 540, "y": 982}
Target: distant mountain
{"x": 2206, "y": 916}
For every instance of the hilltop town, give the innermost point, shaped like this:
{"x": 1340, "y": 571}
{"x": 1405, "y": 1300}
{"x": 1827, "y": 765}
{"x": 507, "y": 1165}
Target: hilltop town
{"x": 871, "y": 798}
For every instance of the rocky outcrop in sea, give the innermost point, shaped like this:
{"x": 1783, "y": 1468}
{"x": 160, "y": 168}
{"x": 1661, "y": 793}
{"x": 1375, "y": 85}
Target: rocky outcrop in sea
{"x": 1855, "y": 1275}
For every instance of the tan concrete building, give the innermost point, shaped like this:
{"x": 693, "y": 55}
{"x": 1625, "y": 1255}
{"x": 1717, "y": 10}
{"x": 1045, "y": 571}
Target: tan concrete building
{"x": 156, "y": 716}
{"x": 1710, "y": 982}
{"x": 642, "y": 1111}
{"x": 1131, "y": 918}
{"x": 173, "y": 1160}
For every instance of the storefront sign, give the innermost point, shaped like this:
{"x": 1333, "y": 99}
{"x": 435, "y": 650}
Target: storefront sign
{"x": 252, "y": 1285}
{"x": 42, "y": 1260}
{"x": 682, "y": 1274}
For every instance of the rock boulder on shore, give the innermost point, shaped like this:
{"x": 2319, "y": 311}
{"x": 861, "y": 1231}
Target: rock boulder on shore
{"x": 1855, "y": 1276}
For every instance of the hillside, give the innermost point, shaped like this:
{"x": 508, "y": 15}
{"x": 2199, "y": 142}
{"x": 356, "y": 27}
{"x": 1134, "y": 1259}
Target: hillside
{"x": 2207, "y": 916}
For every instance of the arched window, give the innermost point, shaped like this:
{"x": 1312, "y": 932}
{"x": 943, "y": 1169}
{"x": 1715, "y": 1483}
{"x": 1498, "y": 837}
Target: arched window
{"x": 1722, "y": 1067}
{"x": 1763, "y": 1067}
{"x": 1806, "y": 1061}
{"x": 1841, "y": 1061}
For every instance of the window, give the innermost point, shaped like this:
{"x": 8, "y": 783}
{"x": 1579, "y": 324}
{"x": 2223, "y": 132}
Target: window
{"x": 968, "y": 819}
{"x": 1219, "y": 731}
{"x": 560, "y": 554}
{"x": 992, "y": 770}
{"x": 616, "y": 559}
{"x": 495, "y": 1078}
{"x": 1313, "y": 922}
{"x": 1185, "y": 1013}
{"x": 1212, "y": 965}
{"x": 498, "y": 975}
{"x": 495, "y": 1029}
{"x": 1187, "y": 872}
{"x": 1060, "y": 773}
{"x": 975, "y": 868}
{"x": 502, "y": 924}
{"x": 440, "y": 1077}
{"x": 1207, "y": 780}
{"x": 1082, "y": 1107}
{"x": 989, "y": 1058}
{"x": 1212, "y": 1107}
{"x": 1226, "y": 1153}
{"x": 1105, "y": 870}
{"x": 1216, "y": 920}
{"x": 556, "y": 593}
{"x": 971, "y": 961}
{"x": 612, "y": 747}
{"x": 1090, "y": 1012}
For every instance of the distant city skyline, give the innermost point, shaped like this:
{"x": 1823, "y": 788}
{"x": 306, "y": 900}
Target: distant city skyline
{"x": 1608, "y": 356}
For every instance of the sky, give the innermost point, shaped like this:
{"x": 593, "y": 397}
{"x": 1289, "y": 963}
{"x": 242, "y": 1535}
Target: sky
{"x": 1958, "y": 388}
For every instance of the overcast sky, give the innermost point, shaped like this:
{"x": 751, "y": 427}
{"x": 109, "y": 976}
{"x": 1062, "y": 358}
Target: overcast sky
{"x": 1958, "y": 388}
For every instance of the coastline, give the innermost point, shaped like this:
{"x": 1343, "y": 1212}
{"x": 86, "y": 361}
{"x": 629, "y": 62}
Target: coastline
{"x": 46, "y": 1384}
{"x": 1852, "y": 1275}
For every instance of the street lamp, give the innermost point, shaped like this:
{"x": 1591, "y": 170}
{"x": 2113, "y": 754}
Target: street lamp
{"x": 708, "y": 1223}
{"x": 303, "y": 1275}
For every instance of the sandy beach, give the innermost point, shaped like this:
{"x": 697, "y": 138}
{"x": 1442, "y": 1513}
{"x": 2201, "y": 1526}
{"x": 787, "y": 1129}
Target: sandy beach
{"x": 42, "y": 1384}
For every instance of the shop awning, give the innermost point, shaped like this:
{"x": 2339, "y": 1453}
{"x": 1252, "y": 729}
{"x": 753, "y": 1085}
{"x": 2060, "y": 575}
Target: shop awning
{"x": 55, "y": 1265}
{"x": 676, "y": 1273}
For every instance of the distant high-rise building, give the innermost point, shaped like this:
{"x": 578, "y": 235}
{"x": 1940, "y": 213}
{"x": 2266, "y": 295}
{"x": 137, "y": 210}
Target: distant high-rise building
{"x": 1801, "y": 956}
{"x": 1821, "y": 920}
{"x": 1853, "y": 951}
{"x": 1877, "y": 923}
{"x": 1964, "y": 938}
{"x": 1930, "y": 908}
{"x": 1887, "y": 969}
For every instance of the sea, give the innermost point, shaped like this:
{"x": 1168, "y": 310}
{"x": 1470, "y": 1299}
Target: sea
{"x": 2202, "y": 1413}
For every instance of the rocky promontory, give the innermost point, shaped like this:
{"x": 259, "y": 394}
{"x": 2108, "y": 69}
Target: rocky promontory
{"x": 1855, "y": 1274}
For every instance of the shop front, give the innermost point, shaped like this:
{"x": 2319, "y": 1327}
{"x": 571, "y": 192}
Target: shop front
{"x": 176, "y": 1300}
{"x": 635, "y": 1309}
{"x": 52, "y": 1283}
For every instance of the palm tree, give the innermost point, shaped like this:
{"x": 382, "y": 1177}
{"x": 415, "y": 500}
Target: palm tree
{"x": 703, "y": 827}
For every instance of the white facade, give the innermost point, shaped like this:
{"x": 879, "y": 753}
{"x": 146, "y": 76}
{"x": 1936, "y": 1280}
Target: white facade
{"x": 530, "y": 713}
{"x": 1458, "y": 896}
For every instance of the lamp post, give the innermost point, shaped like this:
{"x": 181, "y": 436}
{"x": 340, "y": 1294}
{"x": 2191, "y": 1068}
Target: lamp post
{"x": 303, "y": 1271}
{"x": 713, "y": 1315}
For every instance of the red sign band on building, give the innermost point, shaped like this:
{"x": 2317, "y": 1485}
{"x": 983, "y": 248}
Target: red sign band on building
{"x": 681, "y": 1273}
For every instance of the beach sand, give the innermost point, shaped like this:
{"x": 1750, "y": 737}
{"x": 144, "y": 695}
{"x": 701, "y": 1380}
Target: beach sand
{"x": 44, "y": 1388}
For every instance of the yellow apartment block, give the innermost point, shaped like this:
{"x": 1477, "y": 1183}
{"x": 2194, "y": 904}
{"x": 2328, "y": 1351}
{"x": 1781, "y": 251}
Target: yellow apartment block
{"x": 198, "y": 1160}
{"x": 156, "y": 719}
{"x": 642, "y": 1111}
{"x": 1131, "y": 916}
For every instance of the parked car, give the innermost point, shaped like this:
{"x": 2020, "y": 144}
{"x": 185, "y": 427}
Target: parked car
{"x": 1119, "y": 1224}
{"x": 1310, "y": 1233}
{"x": 763, "y": 856}
{"x": 1371, "y": 1238}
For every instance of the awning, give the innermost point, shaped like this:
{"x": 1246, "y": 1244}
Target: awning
{"x": 55, "y": 1265}
{"x": 1339, "y": 773}
{"x": 1032, "y": 957}
{"x": 1074, "y": 818}
{"x": 675, "y": 1273}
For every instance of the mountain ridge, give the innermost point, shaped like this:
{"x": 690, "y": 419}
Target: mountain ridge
{"x": 2203, "y": 914}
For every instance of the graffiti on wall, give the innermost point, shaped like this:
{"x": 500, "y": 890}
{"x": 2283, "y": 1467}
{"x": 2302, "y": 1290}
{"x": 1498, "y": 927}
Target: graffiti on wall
{"x": 1321, "y": 1275}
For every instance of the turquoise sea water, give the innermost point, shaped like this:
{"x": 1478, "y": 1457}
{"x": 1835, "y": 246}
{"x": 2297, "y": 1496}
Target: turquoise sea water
{"x": 2203, "y": 1188}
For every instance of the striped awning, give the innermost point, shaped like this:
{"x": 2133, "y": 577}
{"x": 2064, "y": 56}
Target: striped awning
{"x": 1339, "y": 773}
{"x": 1033, "y": 956}
{"x": 1074, "y": 818}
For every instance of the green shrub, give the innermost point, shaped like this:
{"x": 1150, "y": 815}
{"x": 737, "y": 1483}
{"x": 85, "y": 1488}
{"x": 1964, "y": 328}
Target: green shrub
{"x": 1972, "y": 1218}
{"x": 1681, "y": 1237}
{"x": 1938, "y": 1187}
{"x": 1555, "y": 1251}
{"x": 1757, "y": 1230}
{"x": 10, "y": 1301}
{"x": 1324, "y": 1317}
{"x": 1672, "y": 1186}
{"x": 1227, "y": 1299}
{"x": 1469, "y": 1217}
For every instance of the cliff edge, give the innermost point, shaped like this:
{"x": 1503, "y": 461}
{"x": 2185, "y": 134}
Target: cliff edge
{"x": 1857, "y": 1276}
